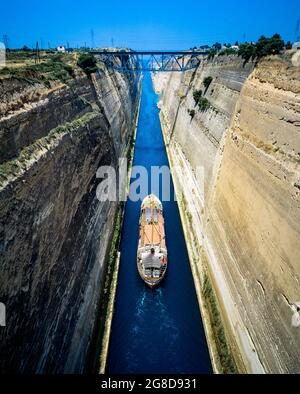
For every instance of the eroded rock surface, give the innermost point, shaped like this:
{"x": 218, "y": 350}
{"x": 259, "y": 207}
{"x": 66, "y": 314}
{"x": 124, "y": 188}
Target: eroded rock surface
{"x": 247, "y": 215}
{"x": 54, "y": 233}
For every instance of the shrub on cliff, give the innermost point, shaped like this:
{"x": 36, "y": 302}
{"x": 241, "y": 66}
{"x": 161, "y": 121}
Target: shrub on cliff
{"x": 212, "y": 53}
{"x": 43, "y": 72}
{"x": 192, "y": 113}
{"x": 206, "y": 82}
{"x": 263, "y": 47}
{"x": 87, "y": 63}
{"x": 69, "y": 69}
{"x": 197, "y": 95}
{"x": 203, "y": 104}
{"x": 227, "y": 52}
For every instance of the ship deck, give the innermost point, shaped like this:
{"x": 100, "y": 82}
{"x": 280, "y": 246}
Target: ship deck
{"x": 152, "y": 230}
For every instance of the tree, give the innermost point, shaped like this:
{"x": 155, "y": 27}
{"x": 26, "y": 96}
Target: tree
{"x": 288, "y": 45}
{"x": 247, "y": 52}
{"x": 87, "y": 63}
{"x": 217, "y": 46}
{"x": 269, "y": 46}
{"x": 263, "y": 47}
{"x": 212, "y": 53}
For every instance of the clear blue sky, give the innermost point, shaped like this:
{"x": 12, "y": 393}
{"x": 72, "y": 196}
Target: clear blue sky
{"x": 156, "y": 24}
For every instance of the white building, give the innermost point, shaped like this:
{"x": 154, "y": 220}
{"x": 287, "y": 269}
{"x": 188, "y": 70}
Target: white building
{"x": 61, "y": 48}
{"x": 296, "y": 45}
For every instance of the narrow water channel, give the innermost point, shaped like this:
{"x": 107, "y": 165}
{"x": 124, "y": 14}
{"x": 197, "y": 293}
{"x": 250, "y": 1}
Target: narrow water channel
{"x": 155, "y": 331}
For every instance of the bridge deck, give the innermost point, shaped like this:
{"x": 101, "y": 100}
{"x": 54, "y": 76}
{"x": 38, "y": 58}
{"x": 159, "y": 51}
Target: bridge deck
{"x": 175, "y": 53}
{"x": 138, "y": 61}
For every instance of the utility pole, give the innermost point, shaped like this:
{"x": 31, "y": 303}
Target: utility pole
{"x": 37, "y": 57}
{"x": 6, "y": 41}
{"x": 92, "y": 39}
{"x": 297, "y": 31}
{"x": 112, "y": 42}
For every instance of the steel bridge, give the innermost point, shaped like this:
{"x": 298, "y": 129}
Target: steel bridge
{"x": 139, "y": 61}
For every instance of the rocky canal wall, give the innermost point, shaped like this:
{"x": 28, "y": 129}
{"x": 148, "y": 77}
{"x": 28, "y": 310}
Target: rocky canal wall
{"x": 55, "y": 234}
{"x": 242, "y": 217}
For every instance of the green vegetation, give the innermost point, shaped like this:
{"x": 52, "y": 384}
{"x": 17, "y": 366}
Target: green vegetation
{"x": 112, "y": 257}
{"x": 87, "y": 63}
{"x": 192, "y": 113}
{"x": 130, "y": 150}
{"x": 212, "y": 53}
{"x": 217, "y": 50}
{"x": 203, "y": 104}
{"x": 263, "y": 47}
{"x": 206, "y": 82}
{"x": 106, "y": 292}
{"x": 197, "y": 96}
{"x": 227, "y": 52}
{"x": 288, "y": 45}
{"x": 226, "y": 359}
{"x": 50, "y": 70}
{"x": 217, "y": 46}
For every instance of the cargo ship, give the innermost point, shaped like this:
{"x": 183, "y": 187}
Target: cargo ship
{"x": 152, "y": 250}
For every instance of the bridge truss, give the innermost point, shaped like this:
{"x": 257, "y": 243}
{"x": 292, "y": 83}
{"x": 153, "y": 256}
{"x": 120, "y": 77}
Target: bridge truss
{"x": 158, "y": 61}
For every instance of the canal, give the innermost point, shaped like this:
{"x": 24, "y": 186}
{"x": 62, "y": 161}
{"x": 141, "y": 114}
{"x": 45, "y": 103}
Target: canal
{"x": 155, "y": 331}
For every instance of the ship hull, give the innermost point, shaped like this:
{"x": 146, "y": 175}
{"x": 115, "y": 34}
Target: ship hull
{"x": 151, "y": 285}
{"x": 152, "y": 250}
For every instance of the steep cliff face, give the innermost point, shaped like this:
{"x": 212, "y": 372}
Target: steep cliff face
{"x": 244, "y": 219}
{"x": 177, "y": 99}
{"x": 54, "y": 232}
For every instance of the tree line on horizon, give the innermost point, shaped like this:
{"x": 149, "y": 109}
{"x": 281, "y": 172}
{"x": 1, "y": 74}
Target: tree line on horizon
{"x": 254, "y": 51}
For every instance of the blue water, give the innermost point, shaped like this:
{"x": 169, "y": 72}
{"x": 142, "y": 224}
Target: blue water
{"x": 155, "y": 331}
